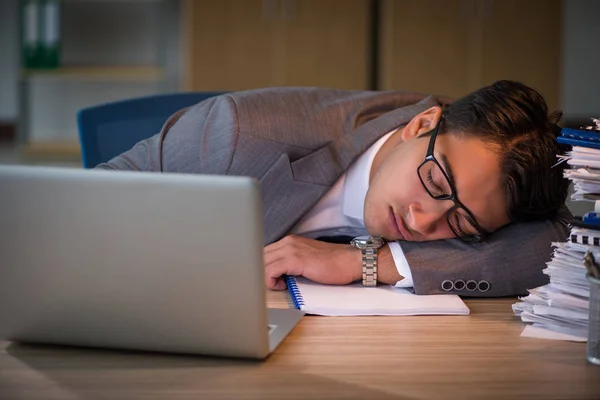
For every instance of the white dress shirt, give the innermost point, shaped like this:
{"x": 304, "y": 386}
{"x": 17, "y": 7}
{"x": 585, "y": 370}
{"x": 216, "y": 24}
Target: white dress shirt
{"x": 343, "y": 206}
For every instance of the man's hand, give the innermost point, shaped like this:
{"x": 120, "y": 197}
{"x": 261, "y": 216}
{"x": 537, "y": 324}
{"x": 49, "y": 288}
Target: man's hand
{"x": 335, "y": 264}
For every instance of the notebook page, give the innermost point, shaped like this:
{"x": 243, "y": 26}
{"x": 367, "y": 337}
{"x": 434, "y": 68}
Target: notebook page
{"x": 382, "y": 300}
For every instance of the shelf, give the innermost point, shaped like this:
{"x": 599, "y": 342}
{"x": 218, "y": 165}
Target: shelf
{"x": 109, "y": 73}
{"x": 67, "y": 150}
{"x": 112, "y": 1}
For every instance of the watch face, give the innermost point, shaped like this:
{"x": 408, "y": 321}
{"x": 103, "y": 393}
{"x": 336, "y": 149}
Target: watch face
{"x": 363, "y": 241}
{"x": 377, "y": 241}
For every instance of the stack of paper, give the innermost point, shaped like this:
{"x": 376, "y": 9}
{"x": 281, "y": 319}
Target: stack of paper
{"x": 560, "y": 310}
{"x": 585, "y": 172}
{"x": 560, "y": 307}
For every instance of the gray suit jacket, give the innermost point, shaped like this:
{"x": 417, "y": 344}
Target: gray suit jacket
{"x": 298, "y": 141}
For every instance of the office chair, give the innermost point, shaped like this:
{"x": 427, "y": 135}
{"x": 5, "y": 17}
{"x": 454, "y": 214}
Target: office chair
{"x": 108, "y": 130}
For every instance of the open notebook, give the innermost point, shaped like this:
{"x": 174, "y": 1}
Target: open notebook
{"x": 315, "y": 298}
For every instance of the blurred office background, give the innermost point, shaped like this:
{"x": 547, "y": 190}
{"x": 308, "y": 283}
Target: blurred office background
{"x": 118, "y": 49}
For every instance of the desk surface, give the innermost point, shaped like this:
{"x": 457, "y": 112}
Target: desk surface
{"x": 466, "y": 357}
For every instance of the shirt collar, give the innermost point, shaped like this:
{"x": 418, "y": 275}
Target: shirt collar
{"x": 357, "y": 180}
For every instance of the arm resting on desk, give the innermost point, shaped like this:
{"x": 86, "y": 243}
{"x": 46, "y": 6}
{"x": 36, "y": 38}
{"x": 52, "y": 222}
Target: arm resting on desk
{"x": 511, "y": 260}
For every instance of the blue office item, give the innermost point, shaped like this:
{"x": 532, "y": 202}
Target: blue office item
{"x": 577, "y": 222}
{"x": 578, "y": 142}
{"x": 592, "y": 218}
{"x": 110, "y": 129}
{"x": 579, "y": 137}
{"x": 582, "y": 134}
{"x": 295, "y": 294}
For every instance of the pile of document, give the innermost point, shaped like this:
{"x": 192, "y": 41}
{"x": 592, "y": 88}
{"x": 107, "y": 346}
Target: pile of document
{"x": 584, "y": 172}
{"x": 559, "y": 310}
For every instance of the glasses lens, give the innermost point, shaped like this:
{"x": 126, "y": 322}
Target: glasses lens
{"x": 434, "y": 180}
{"x": 462, "y": 225}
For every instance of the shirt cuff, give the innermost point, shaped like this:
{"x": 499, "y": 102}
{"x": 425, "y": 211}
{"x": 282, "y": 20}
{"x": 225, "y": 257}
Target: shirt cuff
{"x": 401, "y": 265}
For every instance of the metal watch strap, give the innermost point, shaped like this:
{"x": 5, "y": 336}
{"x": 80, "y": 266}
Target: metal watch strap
{"x": 369, "y": 269}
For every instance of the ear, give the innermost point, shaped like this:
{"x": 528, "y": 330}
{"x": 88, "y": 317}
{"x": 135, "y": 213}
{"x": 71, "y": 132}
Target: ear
{"x": 422, "y": 123}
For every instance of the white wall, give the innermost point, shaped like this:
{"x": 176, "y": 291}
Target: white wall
{"x": 9, "y": 59}
{"x": 581, "y": 59}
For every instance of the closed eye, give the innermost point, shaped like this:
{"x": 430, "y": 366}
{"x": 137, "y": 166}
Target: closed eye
{"x": 457, "y": 226}
{"x": 434, "y": 187}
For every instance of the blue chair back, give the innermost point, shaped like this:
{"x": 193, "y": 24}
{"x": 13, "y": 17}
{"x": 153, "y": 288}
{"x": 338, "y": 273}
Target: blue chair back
{"x": 107, "y": 130}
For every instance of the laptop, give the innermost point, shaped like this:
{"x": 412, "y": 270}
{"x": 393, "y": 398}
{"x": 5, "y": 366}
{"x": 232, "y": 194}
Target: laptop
{"x": 135, "y": 260}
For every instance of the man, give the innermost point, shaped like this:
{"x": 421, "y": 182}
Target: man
{"x": 467, "y": 197}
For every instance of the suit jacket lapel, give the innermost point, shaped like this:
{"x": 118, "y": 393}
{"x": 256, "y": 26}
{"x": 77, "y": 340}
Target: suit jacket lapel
{"x": 326, "y": 165}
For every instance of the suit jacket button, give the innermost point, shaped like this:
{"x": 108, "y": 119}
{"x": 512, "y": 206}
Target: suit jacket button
{"x": 447, "y": 285}
{"x": 483, "y": 286}
{"x": 459, "y": 284}
{"x": 471, "y": 285}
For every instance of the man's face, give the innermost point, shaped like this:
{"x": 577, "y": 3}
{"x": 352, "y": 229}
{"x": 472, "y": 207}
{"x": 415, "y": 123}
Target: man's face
{"x": 397, "y": 206}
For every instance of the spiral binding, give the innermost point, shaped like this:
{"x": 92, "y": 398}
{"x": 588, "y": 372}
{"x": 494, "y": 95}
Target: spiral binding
{"x": 294, "y": 292}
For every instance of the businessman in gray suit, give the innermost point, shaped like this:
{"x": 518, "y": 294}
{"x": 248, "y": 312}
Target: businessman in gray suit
{"x": 466, "y": 193}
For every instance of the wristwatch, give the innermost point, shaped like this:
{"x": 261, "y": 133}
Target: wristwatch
{"x": 369, "y": 246}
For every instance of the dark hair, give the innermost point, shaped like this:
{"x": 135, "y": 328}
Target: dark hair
{"x": 513, "y": 118}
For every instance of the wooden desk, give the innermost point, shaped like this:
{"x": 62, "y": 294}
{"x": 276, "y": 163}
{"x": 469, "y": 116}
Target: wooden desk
{"x": 480, "y": 356}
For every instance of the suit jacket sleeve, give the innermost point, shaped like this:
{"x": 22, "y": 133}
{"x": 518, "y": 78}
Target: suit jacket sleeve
{"x": 511, "y": 260}
{"x": 195, "y": 139}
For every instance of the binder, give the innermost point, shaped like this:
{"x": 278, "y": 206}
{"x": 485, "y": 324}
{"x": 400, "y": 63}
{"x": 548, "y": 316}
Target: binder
{"x": 31, "y": 44}
{"x": 579, "y": 137}
{"x": 50, "y": 37}
{"x": 40, "y": 33}
{"x": 586, "y": 236}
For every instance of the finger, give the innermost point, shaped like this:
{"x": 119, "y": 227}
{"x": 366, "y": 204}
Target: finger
{"x": 277, "y": 255}
{"x": 280, "y": 285}
{"x": 273, "y": 275}
{"x": 276, "y": 283}
{"x": 282, "y": 249}
{"x": 271, "y": 258}
{"x": 275, "y": 271}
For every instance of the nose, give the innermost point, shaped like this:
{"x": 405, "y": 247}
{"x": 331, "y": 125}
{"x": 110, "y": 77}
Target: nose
{"x": 428, "y": 216}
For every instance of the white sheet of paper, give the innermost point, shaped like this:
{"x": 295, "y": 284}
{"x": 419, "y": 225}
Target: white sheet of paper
{"x": 539, "y": 333}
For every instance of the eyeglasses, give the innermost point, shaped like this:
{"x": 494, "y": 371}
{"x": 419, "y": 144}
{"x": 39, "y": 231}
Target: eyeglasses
{"x": 440, "y": 186}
